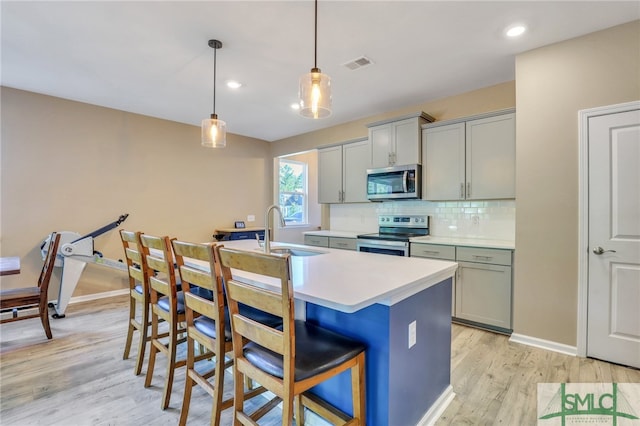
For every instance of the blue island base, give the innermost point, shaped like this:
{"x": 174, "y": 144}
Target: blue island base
{"x": 402, "y": 382}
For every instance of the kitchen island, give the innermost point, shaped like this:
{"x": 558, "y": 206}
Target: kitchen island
{"x": 399, "y": 306}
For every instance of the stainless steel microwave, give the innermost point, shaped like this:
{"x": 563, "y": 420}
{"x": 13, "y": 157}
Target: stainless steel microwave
{"x": 394, "y": 183}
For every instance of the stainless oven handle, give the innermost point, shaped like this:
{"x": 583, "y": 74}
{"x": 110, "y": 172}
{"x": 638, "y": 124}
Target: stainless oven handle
{"x": 381, "y": 243}
{"x": 405, "y": 177}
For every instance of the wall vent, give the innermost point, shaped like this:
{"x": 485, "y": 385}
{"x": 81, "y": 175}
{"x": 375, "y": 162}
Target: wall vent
{"x": 360, "y": 62}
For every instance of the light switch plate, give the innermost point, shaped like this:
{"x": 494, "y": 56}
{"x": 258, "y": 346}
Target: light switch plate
{"x": 251, "y": 218}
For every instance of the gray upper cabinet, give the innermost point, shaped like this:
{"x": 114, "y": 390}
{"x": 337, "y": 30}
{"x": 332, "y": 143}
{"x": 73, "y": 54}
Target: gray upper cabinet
{"x": 342, "y": 172}
{"x": 398, "y": 141}
{"x": 443, "y": 173}
{"x": 472, "y": 159}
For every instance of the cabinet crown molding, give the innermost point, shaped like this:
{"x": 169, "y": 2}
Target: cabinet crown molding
{"x": 420, "y": 114}
{"x": 469, "y": 118}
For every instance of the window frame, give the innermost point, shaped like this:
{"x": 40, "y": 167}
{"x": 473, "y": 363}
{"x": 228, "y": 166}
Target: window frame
{"x": 304, "y": 192}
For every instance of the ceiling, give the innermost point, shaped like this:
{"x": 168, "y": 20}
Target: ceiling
{"x": 152, "y": 57}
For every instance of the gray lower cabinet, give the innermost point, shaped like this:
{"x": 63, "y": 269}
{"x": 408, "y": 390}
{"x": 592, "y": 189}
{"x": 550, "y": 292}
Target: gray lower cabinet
{"x": 344, "y": 243}
{"x": 439, "y": 252}
{"x": 316, "y": 240}
{"x": 482, "y": 285}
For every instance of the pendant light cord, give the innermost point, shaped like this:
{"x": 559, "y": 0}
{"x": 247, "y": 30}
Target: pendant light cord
{"x": 315, "y": 46}
{"x": 215, "y": 50}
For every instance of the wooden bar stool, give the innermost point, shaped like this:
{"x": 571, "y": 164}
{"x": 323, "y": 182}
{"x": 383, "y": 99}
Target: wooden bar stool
{"x": 206, "y": 325}
{"x": 167, "y": 303}
{"x": 138, "y": 294}
{"x": 290, "y": 359}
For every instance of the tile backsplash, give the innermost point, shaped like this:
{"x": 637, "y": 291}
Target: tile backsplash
{"x": 467, "y": 219}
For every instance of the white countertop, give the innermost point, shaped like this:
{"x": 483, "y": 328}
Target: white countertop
{"x": 466, "y": 242}
{"x": 348, "y": 281}
{"x": 340, "y": 234}
{"x": 430, "y": 239}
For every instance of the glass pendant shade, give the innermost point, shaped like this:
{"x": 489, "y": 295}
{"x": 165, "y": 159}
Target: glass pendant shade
{"x": 214, "y": 132}
{"x": 315, "y": 94}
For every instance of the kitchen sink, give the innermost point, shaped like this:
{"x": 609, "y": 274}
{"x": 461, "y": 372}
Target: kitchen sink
{"x": 295, "y": 251}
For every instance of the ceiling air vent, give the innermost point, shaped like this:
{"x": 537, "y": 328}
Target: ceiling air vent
{"x": 360, "y": 62}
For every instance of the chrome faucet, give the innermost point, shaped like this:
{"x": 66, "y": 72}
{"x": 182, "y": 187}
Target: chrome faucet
{"x": 267, "y": 222}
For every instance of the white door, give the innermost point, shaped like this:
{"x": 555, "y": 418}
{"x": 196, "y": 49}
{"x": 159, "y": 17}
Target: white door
{"x": 613, "y": 318}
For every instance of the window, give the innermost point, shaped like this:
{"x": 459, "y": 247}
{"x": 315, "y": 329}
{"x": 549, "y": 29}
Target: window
{"x": 293, "y": 192}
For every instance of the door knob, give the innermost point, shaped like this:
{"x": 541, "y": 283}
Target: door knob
{"x": 600, "y": 250}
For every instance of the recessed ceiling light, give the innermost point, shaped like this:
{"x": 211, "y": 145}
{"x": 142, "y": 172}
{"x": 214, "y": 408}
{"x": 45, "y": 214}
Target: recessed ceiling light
{"x": 515, "y": 30}
{"x": 295, "y": 106}
{"x": 233, "y": 84}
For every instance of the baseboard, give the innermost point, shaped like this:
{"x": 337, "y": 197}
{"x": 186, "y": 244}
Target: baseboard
{"x": 96, "y": 296}
{"x": 438, "y": 407}
{"x": 544, "y": 344}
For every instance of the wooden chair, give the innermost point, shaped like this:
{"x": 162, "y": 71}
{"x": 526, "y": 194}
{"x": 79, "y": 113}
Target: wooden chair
{"x": 31, "y": 297}
{"x": 167, "y": 303}
{"x": 206, "y": 324}
{"x": 139, "y": 296}
{"x": 290, "y": 359}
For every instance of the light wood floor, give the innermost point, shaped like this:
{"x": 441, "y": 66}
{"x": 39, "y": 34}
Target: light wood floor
{"x": 79, "y": 378}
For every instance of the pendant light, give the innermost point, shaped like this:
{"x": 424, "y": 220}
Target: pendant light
{"x": 315, "y": 88}
{"x": 214, "y": 131}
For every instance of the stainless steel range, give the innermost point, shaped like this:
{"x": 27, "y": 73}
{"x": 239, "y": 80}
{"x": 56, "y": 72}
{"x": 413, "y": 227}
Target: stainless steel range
{"x": 394, "y": 232}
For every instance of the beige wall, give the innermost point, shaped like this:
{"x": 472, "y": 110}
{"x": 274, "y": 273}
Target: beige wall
{"x": 552, "y": 84}
{"x": 69, "y": 166}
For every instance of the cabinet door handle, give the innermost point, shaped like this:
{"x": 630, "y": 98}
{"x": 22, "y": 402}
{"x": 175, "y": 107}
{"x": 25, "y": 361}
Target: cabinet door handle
{"x": 462, "y": 190}
{"x": 468, "y": 189}
{"x": 430, "y": 252}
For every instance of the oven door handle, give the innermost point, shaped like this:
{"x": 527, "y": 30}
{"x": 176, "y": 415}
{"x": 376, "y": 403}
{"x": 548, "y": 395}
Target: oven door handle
{"x": 405, "y": 178}
{"x": 381, "y": 243}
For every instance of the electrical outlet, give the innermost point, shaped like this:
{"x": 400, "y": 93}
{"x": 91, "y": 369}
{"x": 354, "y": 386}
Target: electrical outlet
{"x": 475, "y": 220}
{"x": 251, "y": 218}
{"x": 412, "y": 334}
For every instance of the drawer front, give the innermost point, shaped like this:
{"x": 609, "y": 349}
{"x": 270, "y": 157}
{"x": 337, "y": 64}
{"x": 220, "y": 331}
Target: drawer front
{"x": 484, "y": 255}
{"x": 342, "y": 243}
{"x": 433, "y": 251}
{"x": 314, "y": 240}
